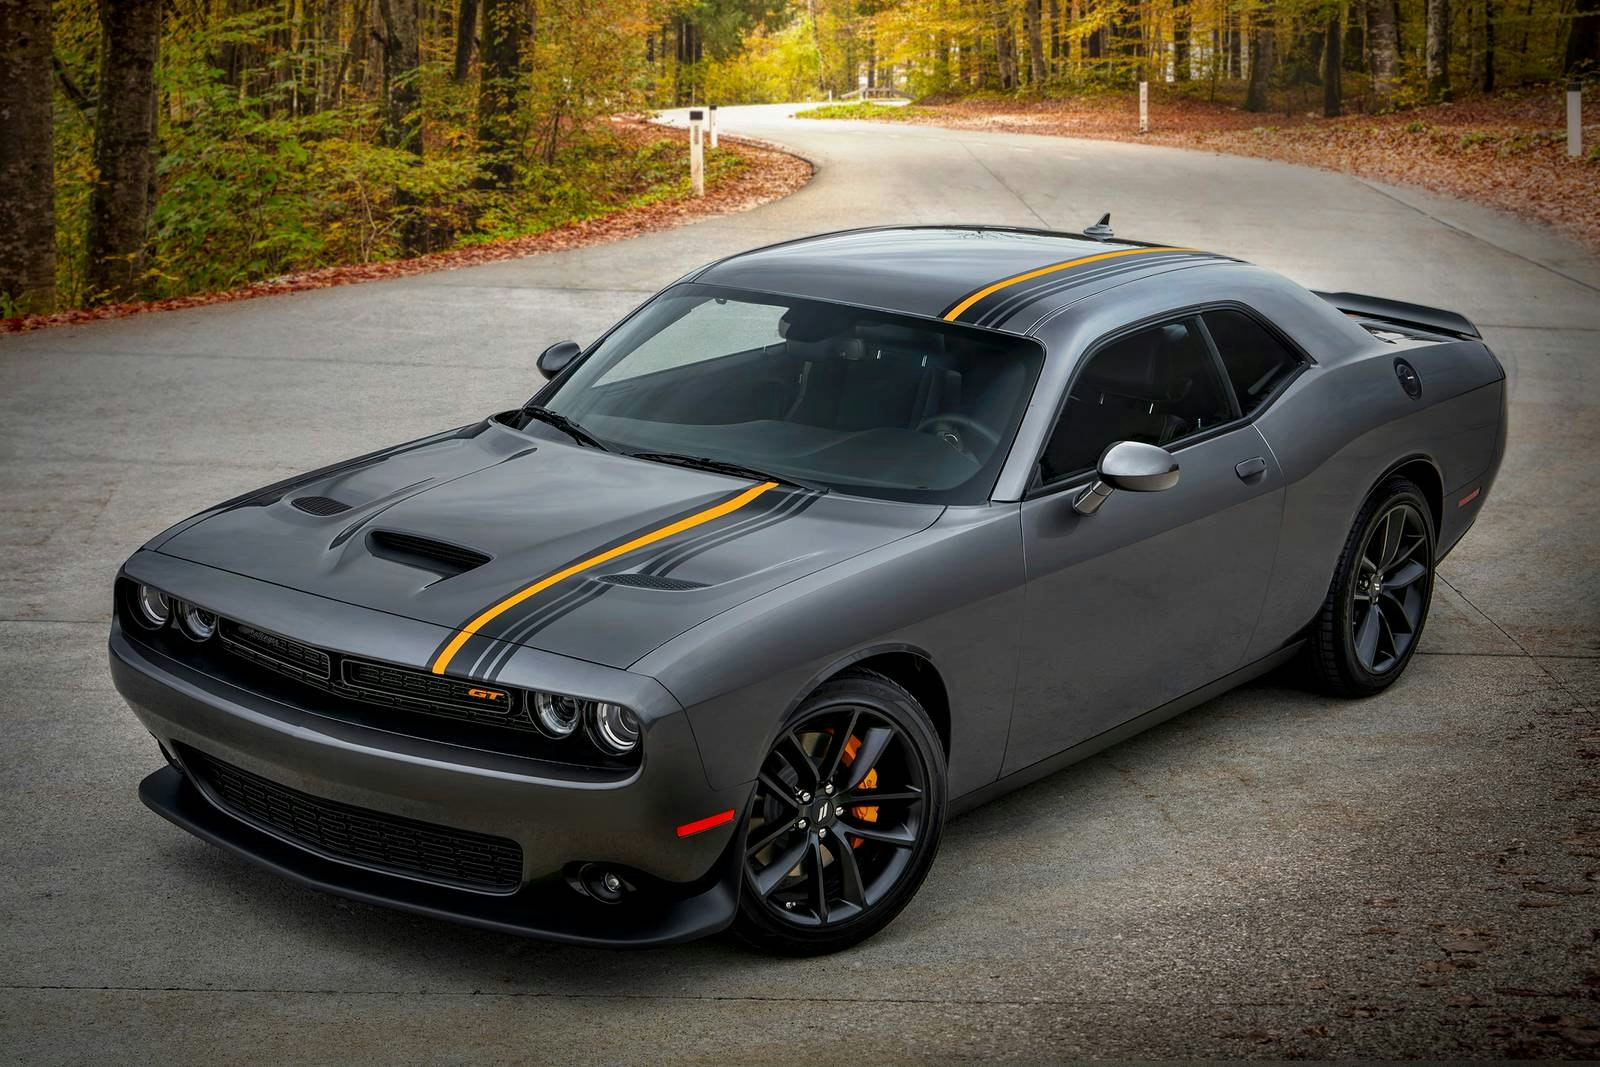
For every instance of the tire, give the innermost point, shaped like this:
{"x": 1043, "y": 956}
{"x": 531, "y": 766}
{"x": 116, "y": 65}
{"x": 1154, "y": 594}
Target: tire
{"x": 1360, "y": 643}
{"x": 821, "y": 876}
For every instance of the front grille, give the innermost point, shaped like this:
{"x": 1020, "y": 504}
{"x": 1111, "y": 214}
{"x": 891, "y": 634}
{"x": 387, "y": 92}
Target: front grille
{"x": 423, "y": 691}
{"x": 277, "y": 653}
{"x": 360, "y": 835}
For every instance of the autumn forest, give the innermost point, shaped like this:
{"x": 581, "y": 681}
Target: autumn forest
{"x": 158, "y": 148}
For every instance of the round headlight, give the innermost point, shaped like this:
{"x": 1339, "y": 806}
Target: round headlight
{"x": 557, "y": 716}
{"x": 614, "y": 728}
{"x": 154, "y": 606}
{"x": 197, "y": 624}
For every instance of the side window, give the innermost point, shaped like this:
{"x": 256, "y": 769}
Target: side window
{"x": 1255, "y": 359}
{"x": 1158, "y": 386}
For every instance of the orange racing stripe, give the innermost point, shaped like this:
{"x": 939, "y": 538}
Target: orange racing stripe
{"x": 955, "y": 312}
{"x": 660, "y": 533}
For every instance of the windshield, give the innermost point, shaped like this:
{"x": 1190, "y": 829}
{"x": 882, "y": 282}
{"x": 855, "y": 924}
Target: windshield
{"x": 827, "y": 395}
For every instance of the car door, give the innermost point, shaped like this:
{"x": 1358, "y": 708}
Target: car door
{"x": 1155, "y": 594}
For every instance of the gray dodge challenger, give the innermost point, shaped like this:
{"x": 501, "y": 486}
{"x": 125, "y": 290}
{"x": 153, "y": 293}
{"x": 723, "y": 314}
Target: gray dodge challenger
{"x": 822, "y": 544}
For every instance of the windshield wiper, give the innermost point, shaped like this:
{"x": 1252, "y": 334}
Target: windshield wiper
{"x": 722, "y": 466}
{"x": 566, "y": 426}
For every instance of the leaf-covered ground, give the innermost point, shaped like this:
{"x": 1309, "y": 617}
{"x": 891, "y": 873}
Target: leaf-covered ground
{"x": 1507, "y": 151}
{"x": 740, "y": 175}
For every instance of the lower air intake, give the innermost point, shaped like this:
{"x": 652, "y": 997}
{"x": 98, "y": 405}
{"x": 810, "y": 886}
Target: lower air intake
{"x": 361, "y": 836}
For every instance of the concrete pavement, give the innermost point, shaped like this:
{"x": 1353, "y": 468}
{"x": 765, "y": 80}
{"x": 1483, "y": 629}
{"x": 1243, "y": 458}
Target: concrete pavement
{"x": 1274, "y": 874}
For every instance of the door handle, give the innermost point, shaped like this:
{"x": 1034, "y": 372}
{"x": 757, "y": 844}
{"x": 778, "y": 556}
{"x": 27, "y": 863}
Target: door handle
{"x": 1251, "y": 468}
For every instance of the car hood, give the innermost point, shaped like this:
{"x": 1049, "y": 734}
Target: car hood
{"x": 510, "y": 540}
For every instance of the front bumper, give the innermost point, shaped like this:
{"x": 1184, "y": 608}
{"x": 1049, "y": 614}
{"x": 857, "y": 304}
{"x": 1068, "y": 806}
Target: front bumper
{"x": 559, "y": 816}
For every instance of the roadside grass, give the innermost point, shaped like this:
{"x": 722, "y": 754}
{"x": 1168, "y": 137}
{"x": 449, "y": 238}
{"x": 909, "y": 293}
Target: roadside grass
{"x": 863, "y": 109}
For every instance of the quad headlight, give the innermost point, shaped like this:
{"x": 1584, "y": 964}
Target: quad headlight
{"x": 613, "y": 728}
{"x": 197, "y": 624}
{"x": 152, "y": 606}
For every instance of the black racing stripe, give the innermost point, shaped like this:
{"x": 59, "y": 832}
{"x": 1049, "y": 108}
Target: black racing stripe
{"x": 657, "y": 563}
{"x": 985, "y": 310}
{"x": 652, "y": 562}
{"x": 688, "y": 553}
{"x": 615, "y": 542}
{"x": 1048, "y": 286}
{"x": 505, "y": 629}
{"x": 590, "y": 591}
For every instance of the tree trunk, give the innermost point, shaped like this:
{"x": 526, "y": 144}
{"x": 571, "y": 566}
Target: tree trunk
{"x": 1488, "y": 46}
{"x": 466, "y": 32}
{"x": 1262, "y": 42}
{"x": 124, "y": 148}
{"x": 1005, "y": 45}
{"x": 1438, "y": 48}
{"x": 402, "y": 103}
{"x": 1180, "y": 40}
{"x": 1384, "y": 41}
{"x": 27, "y": 160}
{"x": 1333, "y": 68}
{"x": 500, "y": 84}
{"x": 1583, "y": 43}
{"x": 1032, "y": 15}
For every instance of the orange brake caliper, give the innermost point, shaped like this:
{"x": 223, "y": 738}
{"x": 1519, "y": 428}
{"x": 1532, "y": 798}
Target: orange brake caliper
{"x": 864, "y": 812}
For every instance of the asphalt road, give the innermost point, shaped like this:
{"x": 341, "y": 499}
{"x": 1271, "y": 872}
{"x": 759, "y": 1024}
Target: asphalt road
{"x": 1274, "y": 874}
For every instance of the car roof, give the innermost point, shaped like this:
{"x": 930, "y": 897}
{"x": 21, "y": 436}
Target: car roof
{"x": 1003, "y": 278}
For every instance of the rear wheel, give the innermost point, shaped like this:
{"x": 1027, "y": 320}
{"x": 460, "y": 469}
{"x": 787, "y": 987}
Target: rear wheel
{"x": 845, "y": 818}
{"x": 1370, "y": 624}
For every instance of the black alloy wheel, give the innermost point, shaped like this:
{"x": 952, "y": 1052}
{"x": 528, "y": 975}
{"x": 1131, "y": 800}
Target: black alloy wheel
{"x": 844, "y": 820}
{"x": 1369, "y": 626}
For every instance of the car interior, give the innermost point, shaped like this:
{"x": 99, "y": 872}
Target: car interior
{"x": 1158, "y": 386}
{"x": 836, "y": 395}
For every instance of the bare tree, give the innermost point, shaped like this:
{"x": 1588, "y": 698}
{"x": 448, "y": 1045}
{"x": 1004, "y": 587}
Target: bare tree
{"x": 27, "y": 162}
{"x": 124, "y": 147}
{"x": 1438, "y": 48}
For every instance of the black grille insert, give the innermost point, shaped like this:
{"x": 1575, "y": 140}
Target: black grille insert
{"x": 277, "y": 653}
{"x": 362, "y": 836}
{"x": 320, "y": 505}
{"x": 425, "y": 552}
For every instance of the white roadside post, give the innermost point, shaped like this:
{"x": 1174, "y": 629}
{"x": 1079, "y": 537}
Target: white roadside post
{"x": 1144, "y": 106}
{"x": 1574, "y": 118}
{"x": 697, "y": 161}
{"x": 711, "y": 124}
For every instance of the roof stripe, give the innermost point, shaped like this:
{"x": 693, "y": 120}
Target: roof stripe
{"x": 966, "y": 302}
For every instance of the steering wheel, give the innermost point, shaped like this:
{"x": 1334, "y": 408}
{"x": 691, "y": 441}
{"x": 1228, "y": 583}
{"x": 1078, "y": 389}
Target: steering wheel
{"x": 949, "y": 427}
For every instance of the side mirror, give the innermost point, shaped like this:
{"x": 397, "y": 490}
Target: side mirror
{"x": 1131, "y": 466}
{"x": 554, "y": 360}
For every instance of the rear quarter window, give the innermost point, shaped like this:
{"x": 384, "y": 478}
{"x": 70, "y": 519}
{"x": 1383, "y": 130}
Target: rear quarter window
{"x": 1255, "y": 359}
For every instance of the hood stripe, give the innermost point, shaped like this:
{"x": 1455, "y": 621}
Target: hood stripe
{"x": 966, "y": 302}
{"x": 660, "y": 533}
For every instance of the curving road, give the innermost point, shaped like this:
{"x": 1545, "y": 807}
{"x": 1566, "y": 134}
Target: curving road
{"x": 1272, "y": 875}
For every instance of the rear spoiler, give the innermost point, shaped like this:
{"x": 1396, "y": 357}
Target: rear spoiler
{"x": 1402, "y": 314}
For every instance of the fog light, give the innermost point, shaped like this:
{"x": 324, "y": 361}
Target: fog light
{"x": 197, "y": 624}
{"x": 557, "y": 715}
{"x": 606, "y": 886}
{"x": 155, "y": 607}
{"x": 614, "y": 728}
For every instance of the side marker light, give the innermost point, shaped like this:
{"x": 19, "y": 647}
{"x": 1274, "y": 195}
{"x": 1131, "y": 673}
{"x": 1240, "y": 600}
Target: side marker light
{"x": 689, "y": 829}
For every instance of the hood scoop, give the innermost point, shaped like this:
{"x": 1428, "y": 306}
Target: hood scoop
{"x": 651, "y": 581}
{"x": 424, "y": 553}
{"x": 320, "y": 505}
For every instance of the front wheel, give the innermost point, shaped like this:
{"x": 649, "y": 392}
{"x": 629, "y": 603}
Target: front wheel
{"x": 1370, "y": 624}
{"x": 845, "y": 818}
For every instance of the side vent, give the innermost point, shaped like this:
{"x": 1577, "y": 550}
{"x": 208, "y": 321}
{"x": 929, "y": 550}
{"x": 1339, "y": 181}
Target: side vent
{"x": 320, "y": 505}
{"x": 424, "y": 552}
{"x": 650, "y": 581}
